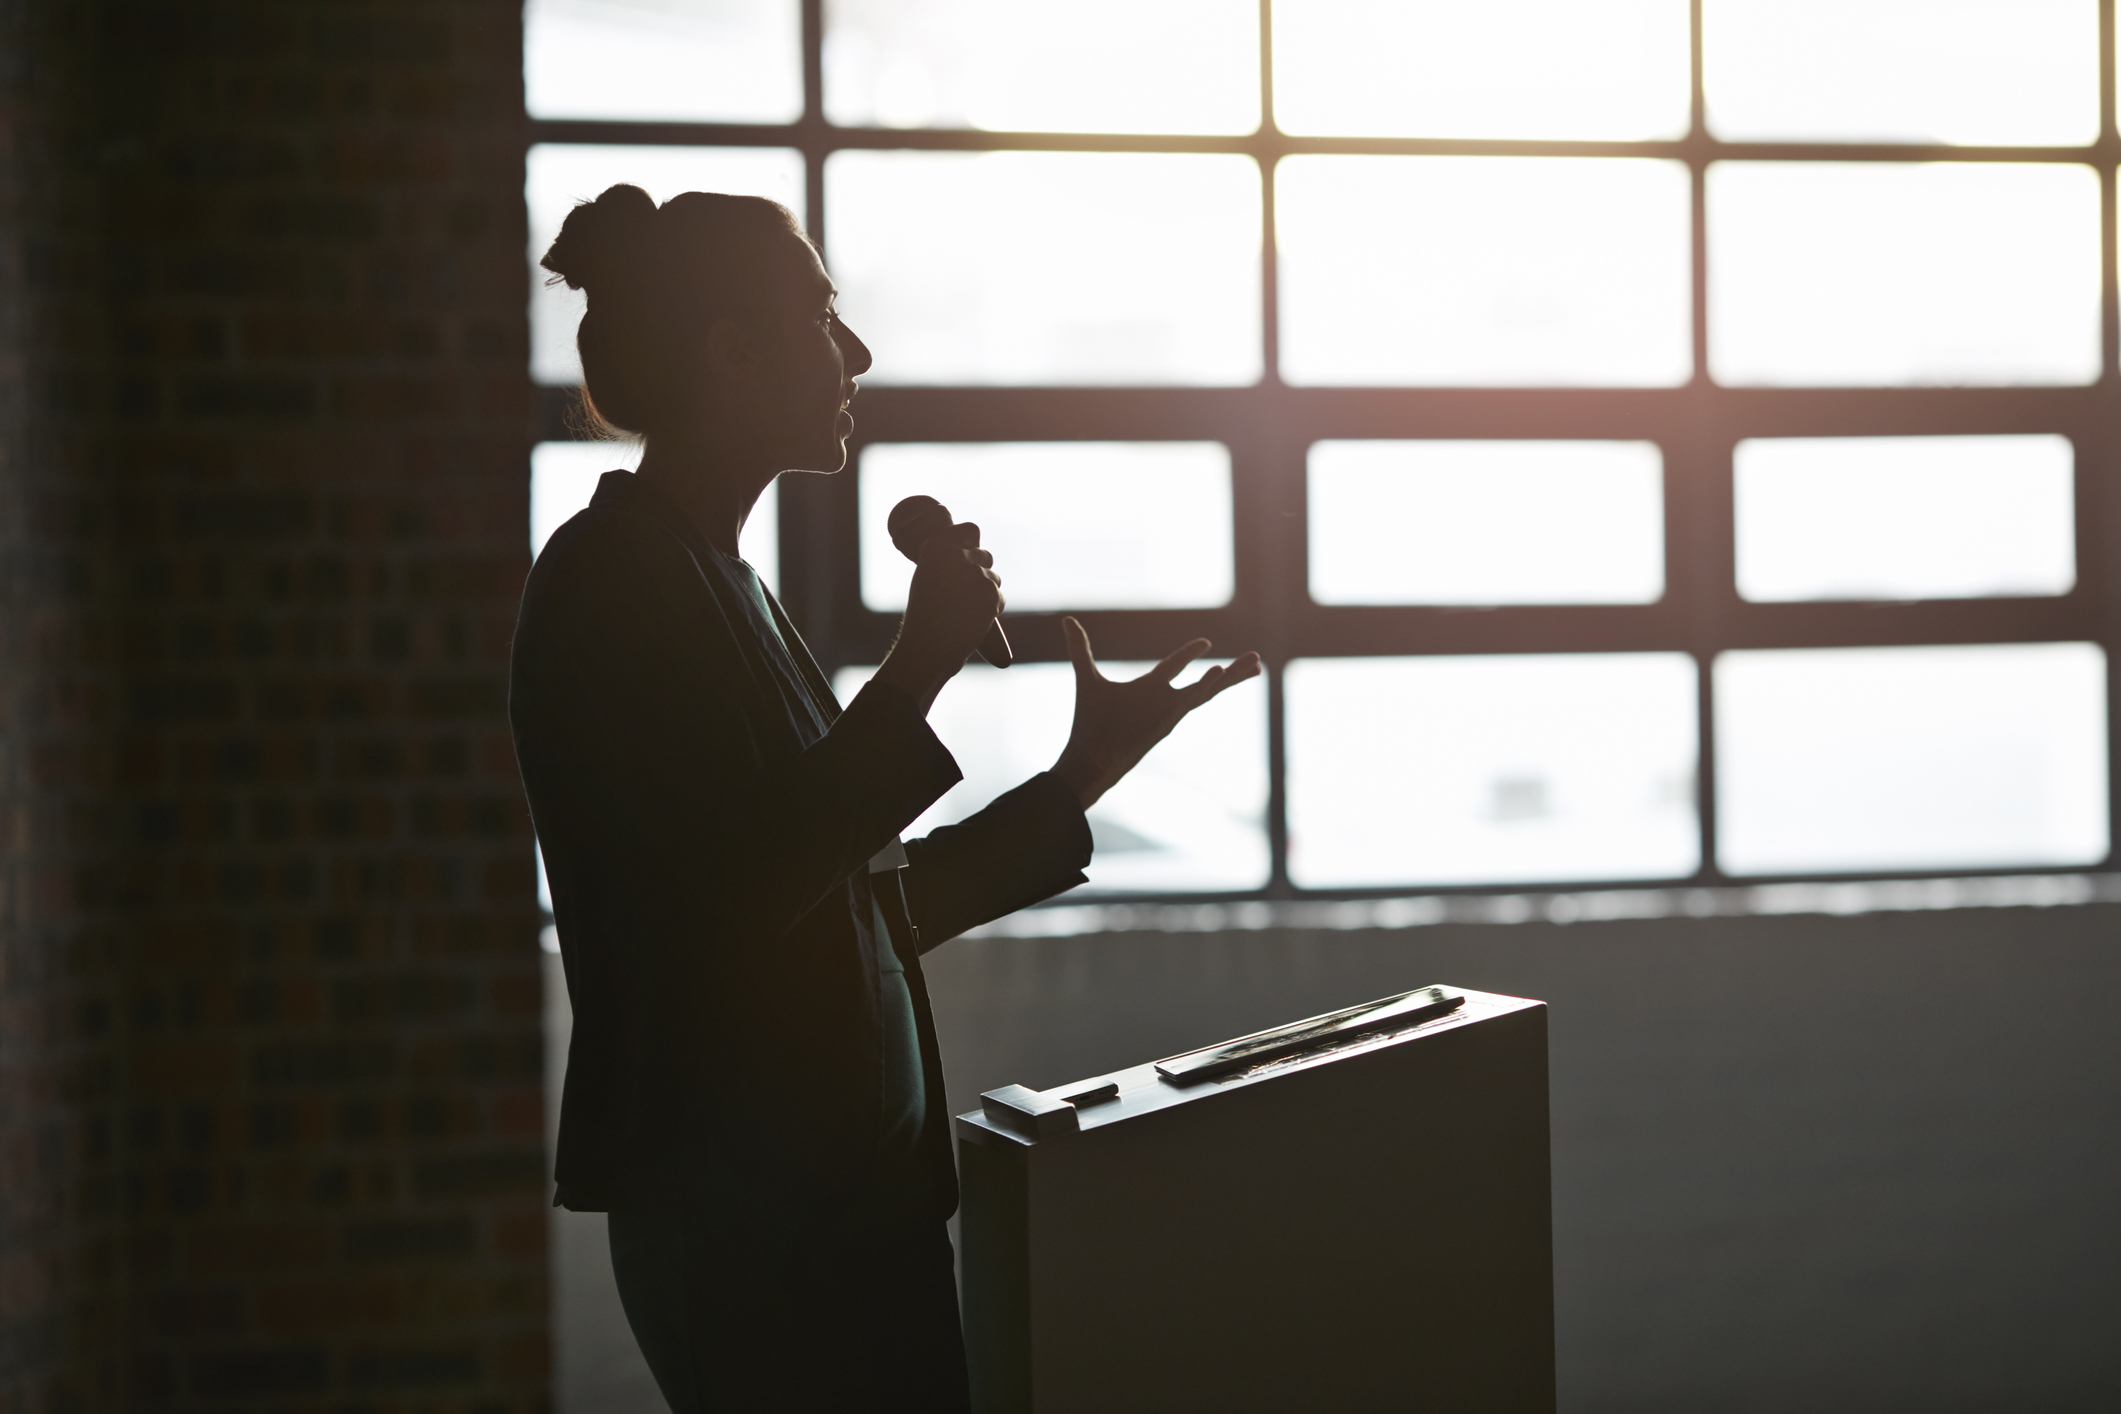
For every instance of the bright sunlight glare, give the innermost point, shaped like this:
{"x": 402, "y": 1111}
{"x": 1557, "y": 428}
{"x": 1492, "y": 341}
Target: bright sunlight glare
{"x": 1491, "y": 769}
{"x": 1904, "y": 517}
{"x": 1089, "y": 66}
{"x": 1073, "y": 525}
{"x": 1846, "y": 759}
{"x": 1997, "y": 72}
{"x": 1614, "y": 70}
{"x": 1478, "y": 523}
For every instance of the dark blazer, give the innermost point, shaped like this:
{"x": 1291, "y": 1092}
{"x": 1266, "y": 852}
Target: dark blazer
{"x": 707, "y": 814}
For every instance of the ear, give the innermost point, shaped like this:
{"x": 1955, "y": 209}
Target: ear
{"x": 730, "y": 347}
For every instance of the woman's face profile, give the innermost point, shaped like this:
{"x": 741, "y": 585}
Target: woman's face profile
{"x": 808, "y": 364}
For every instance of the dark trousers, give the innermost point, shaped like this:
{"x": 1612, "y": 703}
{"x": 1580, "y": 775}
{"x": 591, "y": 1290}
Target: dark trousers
{"x": 792, "y": 1310}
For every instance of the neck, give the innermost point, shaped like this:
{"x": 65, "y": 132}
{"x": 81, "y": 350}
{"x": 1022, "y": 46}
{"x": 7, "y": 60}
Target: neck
{"x": 711, "y": 489}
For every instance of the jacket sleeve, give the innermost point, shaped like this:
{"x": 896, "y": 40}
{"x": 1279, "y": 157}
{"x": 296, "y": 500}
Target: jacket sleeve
{"x": 1028, "y": 845}
{"x": 646, "y": 738}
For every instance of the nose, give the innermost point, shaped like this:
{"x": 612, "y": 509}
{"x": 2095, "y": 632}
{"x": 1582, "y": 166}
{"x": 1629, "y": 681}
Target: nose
{"x": 853, "y": 351}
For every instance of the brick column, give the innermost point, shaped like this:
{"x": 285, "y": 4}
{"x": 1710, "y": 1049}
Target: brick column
{"x": 270, "y": 1116}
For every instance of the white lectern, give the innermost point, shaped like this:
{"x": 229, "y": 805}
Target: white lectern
{"x": 1347, "y": 1213}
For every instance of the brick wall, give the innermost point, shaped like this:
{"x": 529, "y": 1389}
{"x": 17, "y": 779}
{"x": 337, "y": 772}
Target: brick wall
{"x": 269, "y": 1065}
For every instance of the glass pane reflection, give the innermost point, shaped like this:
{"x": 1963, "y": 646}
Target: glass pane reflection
{"x": 1846, "y": 759}
{"x": 1904, "y": 517}
{"x": 1613, "y": 69}
{"x": 1472, "y": 770}
{"x": 721, "y": 61}
{"x": 1093, "y": 66}
{"x": 564, "y": 475}
{"x": 1993, "y": 72}
{"x": 1189, "y": 818}
{"x": 1049, "y": 267}
{"x": 1882, "y": 273}
{"x": 558, "y": 175}
{"x": 1072, "y": 525}
{"x": 1486, "y": 522}
{"x": 1498, "y": 271}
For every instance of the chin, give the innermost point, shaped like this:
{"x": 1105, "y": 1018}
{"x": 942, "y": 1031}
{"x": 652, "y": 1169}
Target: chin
{"x": 822, "y": 462}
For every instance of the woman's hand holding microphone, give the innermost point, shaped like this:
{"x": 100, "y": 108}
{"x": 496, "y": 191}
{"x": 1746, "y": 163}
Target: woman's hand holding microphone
{"x": 951, "y": 605}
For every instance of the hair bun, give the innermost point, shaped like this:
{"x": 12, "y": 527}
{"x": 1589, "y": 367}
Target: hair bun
{"x": 603, "y": 239}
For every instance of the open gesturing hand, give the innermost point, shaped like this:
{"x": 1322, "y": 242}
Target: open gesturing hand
{"x": 1117, "y": 722}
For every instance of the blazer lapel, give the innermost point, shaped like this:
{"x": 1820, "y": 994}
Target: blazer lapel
{"x": 785, "y": 697}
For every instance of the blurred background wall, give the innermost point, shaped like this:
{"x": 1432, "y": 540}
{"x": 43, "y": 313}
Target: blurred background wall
{"x": 269, "y": 1057}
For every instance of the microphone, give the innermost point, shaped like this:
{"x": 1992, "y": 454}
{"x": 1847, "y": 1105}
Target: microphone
{"x": 915, "y": 521}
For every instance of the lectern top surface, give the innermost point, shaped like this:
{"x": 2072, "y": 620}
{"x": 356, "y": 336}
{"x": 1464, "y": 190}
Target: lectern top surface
{"x": 1121, "y": 1095}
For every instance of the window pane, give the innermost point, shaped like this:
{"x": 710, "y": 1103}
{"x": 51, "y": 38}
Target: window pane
{"x": 1484, "y": 270}
{"x": 1491, "y": 769}
{"x": 1092, "y": 66}
{"x": 1486, "y": 523}
{"x": 727, "y": 61}
{"x": 1049, "y": 267}
{"x": 1828, "y": 274}
{"x": 1969, "y": 71}
{"x": 1072, "y": 525}
{"x": 1904, "y": 517}
{"x": 1834, "y": 759}
{"x": 1190, "y": 817}
{"x": 564, "y": 475}
{"x": 1611, "y": 69}
{"x": 557, "y": 175}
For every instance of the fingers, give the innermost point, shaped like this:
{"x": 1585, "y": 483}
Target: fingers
{"x": 1078, "y": 647}
{"x": 1216, "y": 679}
{"x": 1174, "y": 664}
{"x": 957, "y": 537}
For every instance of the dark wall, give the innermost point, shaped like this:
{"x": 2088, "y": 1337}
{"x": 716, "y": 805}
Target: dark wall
{"x": 1859, "y": 1164}
{"x": 269, "y": 1062}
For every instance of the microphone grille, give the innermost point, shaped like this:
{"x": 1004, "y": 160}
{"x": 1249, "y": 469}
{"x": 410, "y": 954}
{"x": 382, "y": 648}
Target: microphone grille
{"x": 913, "y": 520}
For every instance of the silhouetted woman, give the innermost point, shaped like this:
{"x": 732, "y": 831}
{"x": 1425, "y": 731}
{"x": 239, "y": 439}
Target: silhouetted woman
{"x": 753, "y": 1089}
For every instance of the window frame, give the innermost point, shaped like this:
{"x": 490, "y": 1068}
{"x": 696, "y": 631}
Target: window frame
{"x": 1269, "y": 427}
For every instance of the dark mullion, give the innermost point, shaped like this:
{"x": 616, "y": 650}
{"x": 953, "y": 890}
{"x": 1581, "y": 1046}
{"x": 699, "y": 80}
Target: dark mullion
{"x": 1543, "y": 888}
{"x": 2107, "y": 102}
{"x": 1070, "y": 414}
{"x": 1699, "y": 154}
{"x": 2110, "y": 313}
{"x": 1700, "y": 573}
{"x": 1293, "y": 629}
{"x": 807, "y": 571}
{"x": 812, "y": 133}
{"x": 1269, "y": 144}
{"x": 909, "y": 414}
{"x": 1708, "y": 594}
{"x": 1682, "y": 624}
{"x": 1270, "y": 568}
{"x": 2098, "y": 453}
{"x": 1697, "y": 104}
{"x": 1267, "y": 502}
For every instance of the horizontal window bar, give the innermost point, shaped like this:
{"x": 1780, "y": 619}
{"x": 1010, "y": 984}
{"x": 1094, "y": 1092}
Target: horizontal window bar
{"x": 1279, "y": 415}
{"x": 1268, "y": 144}
{"x": 1314, "y": 632}
{"x": 1341, "y": 910}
